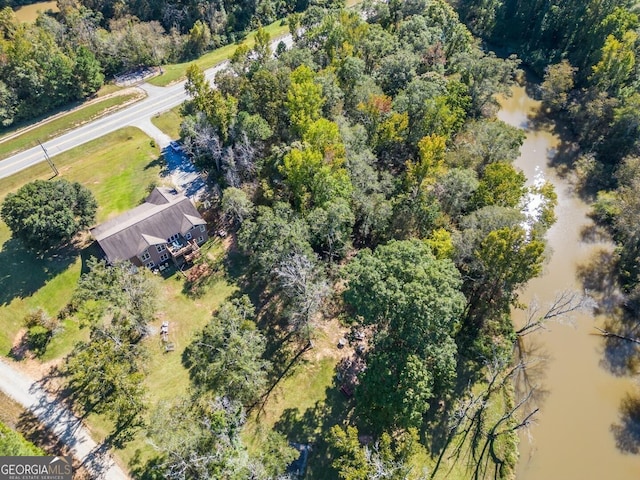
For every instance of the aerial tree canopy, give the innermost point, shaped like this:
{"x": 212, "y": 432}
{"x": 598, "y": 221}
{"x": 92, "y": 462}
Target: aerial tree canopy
{"x": 44, "y": 214}
{"x": 415, "y": 301}
{"x": 226, "y": 358}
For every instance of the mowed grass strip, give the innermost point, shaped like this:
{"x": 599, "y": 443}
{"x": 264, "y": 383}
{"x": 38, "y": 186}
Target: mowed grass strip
{"x": 178, "y": 71}
{"x": 62, "y": 124}
{"x": 118, "y": 168}
{"x": 169, "y": 122}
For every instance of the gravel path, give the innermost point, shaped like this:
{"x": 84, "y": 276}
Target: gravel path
{"x": 59, "y": 420}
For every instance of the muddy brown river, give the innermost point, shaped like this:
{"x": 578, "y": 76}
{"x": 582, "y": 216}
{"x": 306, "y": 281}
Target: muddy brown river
{"x": 29, "y": 13}
{"x": 573, "y": 437}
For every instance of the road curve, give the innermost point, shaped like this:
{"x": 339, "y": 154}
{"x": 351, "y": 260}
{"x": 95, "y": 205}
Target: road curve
{"x": 59, "y": 420}
{"x": 158, "y": 100}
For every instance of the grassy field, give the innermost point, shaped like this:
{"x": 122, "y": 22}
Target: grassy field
{"x": 10, "y": 411}
{"x": 177, "y": 71}
{"x": 65, "y": 122}
{"x": 306, "y": 403}
{"x": 304, "y": 408}
{"x": 167, "y": 378}
{"x": 458, "y": 460}
{"x": 169, "y": 122}
{"x": 119, "y": 178}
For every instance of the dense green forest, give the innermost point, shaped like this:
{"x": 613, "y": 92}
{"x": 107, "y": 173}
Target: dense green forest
{"x": 368, "y": 178}
{"x": 366, "y": 183}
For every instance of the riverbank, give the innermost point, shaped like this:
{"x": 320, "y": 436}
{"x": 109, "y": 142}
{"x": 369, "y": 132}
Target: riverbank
{"x": 581, "y": 399}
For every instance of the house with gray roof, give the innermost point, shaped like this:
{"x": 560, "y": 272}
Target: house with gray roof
{"x": 165, "y": 228}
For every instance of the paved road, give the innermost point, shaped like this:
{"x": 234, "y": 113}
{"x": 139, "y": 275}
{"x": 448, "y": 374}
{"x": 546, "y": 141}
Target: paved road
{"x": 61, "y": 422}
{"x": 159, "y": 99}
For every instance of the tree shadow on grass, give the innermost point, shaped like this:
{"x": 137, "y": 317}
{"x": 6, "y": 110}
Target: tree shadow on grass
{"x": 158, "y": 162}
{"x": 92, "y": 250}
{"x": 146, "y": 470}
{"x": 312, "y": 427}
{"x": 23, "y": 272}
{"x": 284, "y": 345}
{"x": 237, "y": 268}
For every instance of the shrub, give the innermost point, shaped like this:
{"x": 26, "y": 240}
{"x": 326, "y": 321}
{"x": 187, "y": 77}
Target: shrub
{"x": 38, "y": 338}
{"x": 40, "y": 330}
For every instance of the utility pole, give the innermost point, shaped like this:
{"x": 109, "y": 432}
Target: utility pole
{"x": 49, "y": 161}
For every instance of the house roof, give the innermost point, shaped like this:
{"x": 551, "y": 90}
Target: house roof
{"x": 163, "y": 214}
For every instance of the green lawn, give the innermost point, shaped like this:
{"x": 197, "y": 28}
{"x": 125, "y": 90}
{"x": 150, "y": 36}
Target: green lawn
{"x": 60, "y": 125}
{"x": 169, "y": 122}
{"x": 118, "y": 168}
{"x": 505, "y": 447}
{"x": 306, "y": 402}
{"x": 177, "y": 71}
{"x": 119, "y": 178}
{"x": 167, "y": 379}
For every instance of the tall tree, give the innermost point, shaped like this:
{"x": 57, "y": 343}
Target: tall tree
{"x": 304, "y": 99}
{"x": 106, "y": 376}
{"x": 616, "y": 64}
{"x": 236, "y": 205}
{"x": 502, "y": 261}
{"x": 331, "y": 228}
{"x": 303, "y": 283}
{"x": 199, "y": 38}
{"x": 501, "y": 184}
{"x": 43, "y": 214}
{"x": 485, "y": 75}
{"x": 198, "y": 439}
{"x": 387, "y": 458}
{"x": 271, "y": 236}
{"x": 119, "y": 295}
{"x": 558, "y": 82}
{"x": 486, "y": 141}
{"x": 415, "y": 303}
{"x": 219, "y": 109}
{"x": 313, "y": 181}
{"x": 226, "y": 358}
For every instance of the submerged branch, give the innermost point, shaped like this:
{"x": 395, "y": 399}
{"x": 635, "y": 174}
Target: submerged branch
{"x": 606, "y": 333}
{"x": 565, "y": 302}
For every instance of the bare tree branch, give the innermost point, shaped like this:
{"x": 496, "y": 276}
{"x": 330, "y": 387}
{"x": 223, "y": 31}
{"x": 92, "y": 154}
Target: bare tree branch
{"x": 565, "y": 302}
